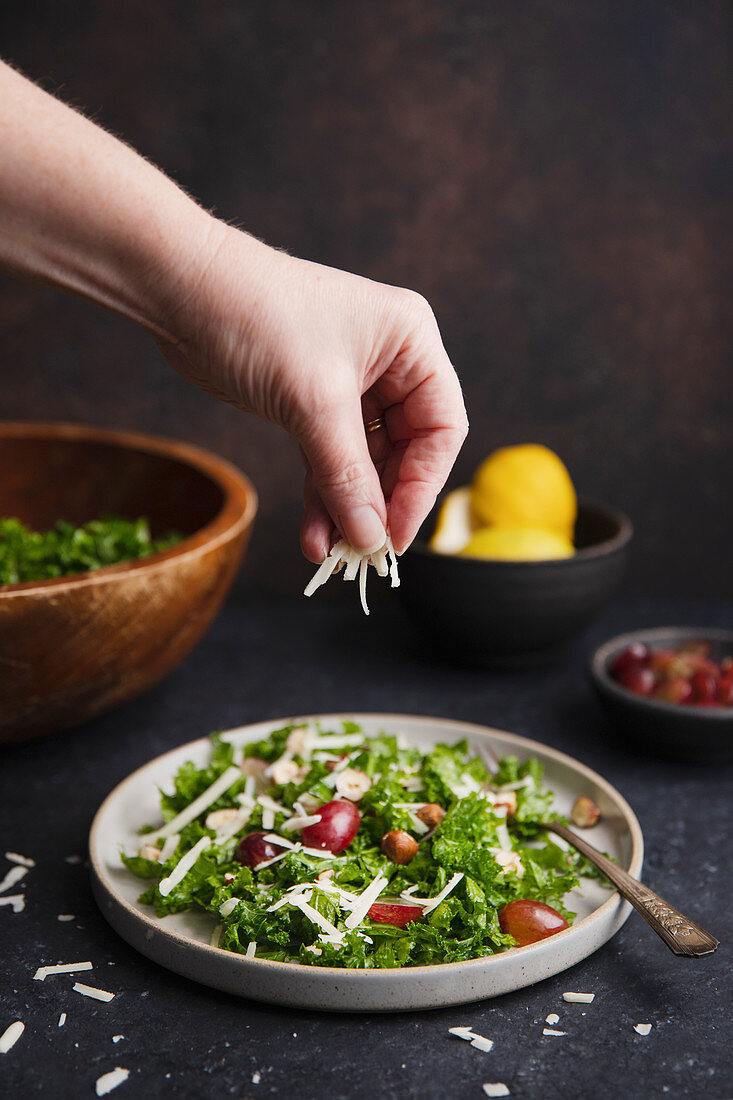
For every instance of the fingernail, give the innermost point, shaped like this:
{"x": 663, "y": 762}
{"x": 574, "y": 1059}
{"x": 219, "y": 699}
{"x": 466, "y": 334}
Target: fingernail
{"x": 364, "y": 529}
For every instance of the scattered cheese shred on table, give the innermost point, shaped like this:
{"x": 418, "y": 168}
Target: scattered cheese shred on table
{"x": 10, "y": 1036}
{"x": 16, "y": 901}
{"x": 15, "y": 874}
{"x": 553, "y": 1018}
{"x": 93, "y": 992}
{"x": 111, "y": 1080}
{"x": 498, "y": 1088}
{"x": 551, "y": 1031}
{"x": 579, "y": 998}
{"x": 116, "y": 1038}
{"x": 61, "y": 968}
{"x": 344, "y": 556}
{"x": 65, "y": 916}
{"x": 25, "y": 861}
{"x": 480, "y": 1042}
{"x": 642, "y": 1029}
{"x": 62, "y": 1019}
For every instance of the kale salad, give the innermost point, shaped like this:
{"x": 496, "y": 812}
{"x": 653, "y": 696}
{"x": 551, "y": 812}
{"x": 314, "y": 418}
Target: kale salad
{"x": 333, "y": 848}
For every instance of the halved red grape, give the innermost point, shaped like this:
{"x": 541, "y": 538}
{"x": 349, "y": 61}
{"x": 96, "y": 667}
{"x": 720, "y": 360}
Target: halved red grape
{"x": 254, "y": 849}
{"x": 530, "y": 921}
{"x": 704, "y": 687}
{"x": 725, "y": 690}
{"x": 337, "y": 828}
{"x": 395, "y": 911}
{"x": 676, "y": 690}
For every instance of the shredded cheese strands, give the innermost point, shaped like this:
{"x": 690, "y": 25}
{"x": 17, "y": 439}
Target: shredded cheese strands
{"x": 355, "y": 563}
{"x": 480, "y": 1042}
{"x": 365, "y": 902}
{"x": 210, "y": 795}
{"x": 16, "y": 901}
{"x": 169, "y": 847}
{"x": 183, "y": 866}
{"x": 24, "y": 860}
{"x": 313, "y": 915}
{"x": 429, "y": 904}
{"x": 10, "y": 1036}
{"x": 15, "y": 874}
{"x": 579, "y": 998}
{"x": 251, "y": 949}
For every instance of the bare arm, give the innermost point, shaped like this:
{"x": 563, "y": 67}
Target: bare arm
{"x": 315, "y": 349}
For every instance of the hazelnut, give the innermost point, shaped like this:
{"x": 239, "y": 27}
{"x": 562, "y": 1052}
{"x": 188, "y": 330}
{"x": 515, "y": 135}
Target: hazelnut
{"x": 399, "y": 846}
{"x": 352, "y": 784}
{"x": 149, "y": 851}
{"x": 431, "y": 814}
{"x": 508, "y": 799}
{"x": 299, "y": 741}
{"x": 285, "y": 771}
{"x": 217, "y": 819}
{"x": 585, "y": 813}
{"x": 254, "y": 766}
{"x": 508, "y": 860}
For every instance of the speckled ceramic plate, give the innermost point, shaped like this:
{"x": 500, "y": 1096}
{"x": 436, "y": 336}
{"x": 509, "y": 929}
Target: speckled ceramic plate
{"x": 181, "y": 942}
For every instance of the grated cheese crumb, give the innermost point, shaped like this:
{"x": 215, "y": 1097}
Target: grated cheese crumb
{"x": 551, "y": 1031}
{"x": 642, "y": 1029}
{"x": 73, "y": 860}
{"x": 478, "y": 1041}
{"x": 498, "y": 1088}
{"x": 552, "y": 1019}
{"x": 256, "y": 1078}
{"x": 251, "y": 949}
{"x": 116, "y": 1038}
{"x": 16, "y": 901}
{"x": 10, "y": 1036}
{"x": 62, "y": 1019}
{"x": 15, "y": 874}
{"x": 93, "y": 992}
{"x": 111, "y": 1080}
{"x": 65, "y": 916}
{"x": 579, "y": 998}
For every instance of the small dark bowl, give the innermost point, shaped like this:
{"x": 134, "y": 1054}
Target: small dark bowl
{"x": 514, "y": 613}
{"x": 671, "y": 730}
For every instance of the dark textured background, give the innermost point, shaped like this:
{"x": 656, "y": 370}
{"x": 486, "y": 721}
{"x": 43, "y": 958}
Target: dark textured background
{"x": 551, "y": 176}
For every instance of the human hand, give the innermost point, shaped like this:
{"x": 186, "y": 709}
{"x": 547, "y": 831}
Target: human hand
{"x": 320, "y": 352}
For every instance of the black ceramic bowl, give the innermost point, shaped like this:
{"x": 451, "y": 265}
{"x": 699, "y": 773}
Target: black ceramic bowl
{"x": 666, "y": 729}
{"x": 513, "y": 613}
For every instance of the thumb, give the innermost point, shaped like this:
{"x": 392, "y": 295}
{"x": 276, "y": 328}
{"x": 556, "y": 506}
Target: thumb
{"x": 334, "y": 442}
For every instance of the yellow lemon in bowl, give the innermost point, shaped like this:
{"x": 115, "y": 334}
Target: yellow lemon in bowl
{"x": 517, "y": 544}
{"x": 526, "y": 486}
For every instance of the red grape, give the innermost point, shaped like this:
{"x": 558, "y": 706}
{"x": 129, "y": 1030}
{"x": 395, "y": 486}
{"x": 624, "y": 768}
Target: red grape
{"x": 638, "y": 679}
{"x": 676, "y": 690}
{"x": 725, "y": 690}
{"x": 395, "y": 911}
{"x": 254, "y": 849}
{"x": 703, "y": 687}
{"x": 635, "y": 655}
{"x": 530, "y": 921}
{"x": 337, "y": 828}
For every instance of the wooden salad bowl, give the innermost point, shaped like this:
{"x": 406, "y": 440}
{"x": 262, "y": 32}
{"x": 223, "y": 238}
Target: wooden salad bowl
{"x": 74, "y": 647}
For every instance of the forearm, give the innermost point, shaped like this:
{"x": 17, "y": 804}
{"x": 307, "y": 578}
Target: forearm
{"x": 81, "y": 211}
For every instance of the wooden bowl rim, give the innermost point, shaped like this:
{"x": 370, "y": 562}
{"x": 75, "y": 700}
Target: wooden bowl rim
{"x": 236, "y": 514}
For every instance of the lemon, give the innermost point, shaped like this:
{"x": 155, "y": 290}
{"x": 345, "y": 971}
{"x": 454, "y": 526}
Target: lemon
{"x": 518, "y": 544}
{"x": 455, "y": 524}
{"x": 525, "y": 486}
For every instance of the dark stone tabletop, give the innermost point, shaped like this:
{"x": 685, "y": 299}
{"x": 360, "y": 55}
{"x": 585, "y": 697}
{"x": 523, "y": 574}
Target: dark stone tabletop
{"x": 267, "y": 657}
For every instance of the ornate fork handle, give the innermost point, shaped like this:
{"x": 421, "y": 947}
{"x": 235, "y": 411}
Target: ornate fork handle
{"x": 680, "y": 934}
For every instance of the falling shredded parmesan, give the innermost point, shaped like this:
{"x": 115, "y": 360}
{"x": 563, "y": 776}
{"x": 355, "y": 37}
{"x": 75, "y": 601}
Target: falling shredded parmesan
{"x": 354, "y": 563}
{"x": 183, "y": 866}
{"x": 580, "y": 998}
{"x": 25, "y": 861}
{"x": 642, "y": 1029}
{"x": 209, "y": 796}
{"x": 111, "y": 1080}
{"x": 10, "y": 1036}
{"x": 93, "y": 992}
{"x": 61, "y": 968}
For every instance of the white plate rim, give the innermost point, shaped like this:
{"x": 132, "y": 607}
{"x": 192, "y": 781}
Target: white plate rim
{"x": 400, "y": 975}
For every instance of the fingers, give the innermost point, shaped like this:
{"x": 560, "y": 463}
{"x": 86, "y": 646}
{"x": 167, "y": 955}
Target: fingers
{"x": 316, "y": 531}
{"x": 344, "y": 476}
